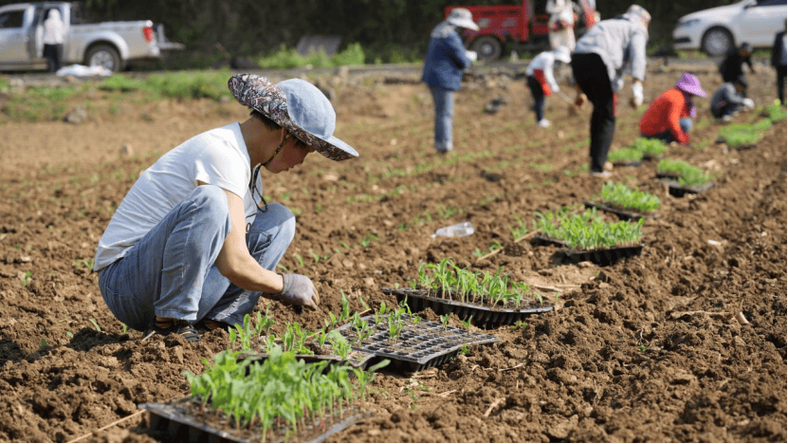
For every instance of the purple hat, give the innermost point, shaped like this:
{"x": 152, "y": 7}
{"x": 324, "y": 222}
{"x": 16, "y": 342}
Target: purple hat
{"x": 298, "y": 106}
{"x": 690, "y": 85}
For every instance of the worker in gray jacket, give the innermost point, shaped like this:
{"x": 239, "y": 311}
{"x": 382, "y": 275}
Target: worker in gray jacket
{"x": 730, "y": 98}
{"x": 603, "y": 56}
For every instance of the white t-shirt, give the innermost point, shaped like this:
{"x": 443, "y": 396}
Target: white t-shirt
{"x": 216, "y": 157}
{"x": 544, "y": 61}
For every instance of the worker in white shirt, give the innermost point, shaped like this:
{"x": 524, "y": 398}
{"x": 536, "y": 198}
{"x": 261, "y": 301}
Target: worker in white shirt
{"x": 541, "y": 80}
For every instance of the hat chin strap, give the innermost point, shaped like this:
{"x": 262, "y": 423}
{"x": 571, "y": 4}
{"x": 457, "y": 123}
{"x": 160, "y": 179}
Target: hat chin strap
{"x": 279, "y": 148}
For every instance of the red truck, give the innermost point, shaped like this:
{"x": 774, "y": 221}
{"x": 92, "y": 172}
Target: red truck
{"x": 499, "y": 24}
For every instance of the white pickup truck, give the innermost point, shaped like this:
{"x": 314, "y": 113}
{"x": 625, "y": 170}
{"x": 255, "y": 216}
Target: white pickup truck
{"x": 108, "y": 44}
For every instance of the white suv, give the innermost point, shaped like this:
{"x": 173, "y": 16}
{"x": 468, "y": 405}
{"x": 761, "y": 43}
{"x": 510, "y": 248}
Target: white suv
{"x": 717, "y": 30}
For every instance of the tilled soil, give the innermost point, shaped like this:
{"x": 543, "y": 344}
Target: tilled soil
{"x": 686, "y": 342}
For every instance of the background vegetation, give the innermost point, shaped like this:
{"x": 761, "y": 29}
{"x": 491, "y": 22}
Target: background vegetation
{"x": 388, "y": 30}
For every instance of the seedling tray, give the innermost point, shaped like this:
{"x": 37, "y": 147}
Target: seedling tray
{"x": 182, "y": 421}
{"x": 355, "y": 359}
{"x": 676, "y": 190}
{"x": 599, "y": 256}
{"x": 671, "y": 176}
{"x": 479, "y": 315}
{"x": 539, "y": 240}
{"x": 747, "y": 146}
{"x": 419, "y": 346}
{"x": 626, "y": 163}
{"x": 651, "y": 158}
{"x": 623, "y": 214}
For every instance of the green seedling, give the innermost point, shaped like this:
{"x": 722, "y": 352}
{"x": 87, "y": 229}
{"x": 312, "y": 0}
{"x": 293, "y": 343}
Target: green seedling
{"x": 518, "y": 324}
{"x": 299, "y": 259}
{"x": 26, "y": 279}
{"x": 619, "y": 195}
{"x": 44, "y": 345}
{"x": 650, "y": 147}
{"x": 447, "y": 280}
{"x": 69, "y": 334}
{"x": 264, "y": 323}
{"x": 445, "y": 320}
{"x": 588, "y": 230}
{"x": 625, "y": 155}
{"x": 331, "y": 322}
{"x": 95, "y": 325}
{"x": 689, "y": 175}
{"x": 345, "y": 314}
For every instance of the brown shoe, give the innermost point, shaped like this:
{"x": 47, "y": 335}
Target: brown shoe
{"x": 165, "y": 326}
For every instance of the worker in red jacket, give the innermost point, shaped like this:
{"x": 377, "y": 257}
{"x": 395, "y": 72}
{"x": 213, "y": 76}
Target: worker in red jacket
{"x": 669, "y": 118}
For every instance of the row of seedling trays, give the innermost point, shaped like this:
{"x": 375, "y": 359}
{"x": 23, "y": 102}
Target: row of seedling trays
{"x": 306, "y": 386}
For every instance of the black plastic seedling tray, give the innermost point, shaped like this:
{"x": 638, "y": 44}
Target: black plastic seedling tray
{"x": 621, "y": 213}
{"x": 628, "y": 163}
{"x": 671, "y": 176}
{"x": 420, "y": 345}
{"x": 355, "y": 359}
{"x": 479, "y": 315}
{"x": 599, "y": 256}
{"x": 177, "y": 422}
{"x": 539, "y": 240}
{"x": 676, "y": 190}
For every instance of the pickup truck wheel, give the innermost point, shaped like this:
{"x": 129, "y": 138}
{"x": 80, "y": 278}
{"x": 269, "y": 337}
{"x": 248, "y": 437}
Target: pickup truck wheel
{"x": 103, "y": 55}
{"x": 717, "y": 41}
{"x": 487, "y": 47}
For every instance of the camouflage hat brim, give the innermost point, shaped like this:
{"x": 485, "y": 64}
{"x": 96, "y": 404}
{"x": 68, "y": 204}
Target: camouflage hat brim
{"x": 260, "y": 94}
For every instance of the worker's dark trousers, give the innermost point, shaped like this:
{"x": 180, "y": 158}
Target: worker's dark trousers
{"x": 591, "y": 76}
{"x": 536, "y": 91}
{"x": 781, "y": 83}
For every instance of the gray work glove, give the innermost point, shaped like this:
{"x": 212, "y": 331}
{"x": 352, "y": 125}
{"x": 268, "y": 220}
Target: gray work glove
{"x": 297, "y": 289}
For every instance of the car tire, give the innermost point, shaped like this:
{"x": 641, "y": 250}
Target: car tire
{"x": 104, "y": 55}
{"x": 717, "y": 41}
{"x": 487, "y": 47}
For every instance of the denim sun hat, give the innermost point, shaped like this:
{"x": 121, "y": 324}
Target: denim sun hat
{"x": 690, "y": 84}
{"x": 296, "y": 105}
{"x": 462, "y": 18}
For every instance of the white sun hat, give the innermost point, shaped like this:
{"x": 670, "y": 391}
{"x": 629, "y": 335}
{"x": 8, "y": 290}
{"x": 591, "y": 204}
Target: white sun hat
{"x": 462, "y": 18}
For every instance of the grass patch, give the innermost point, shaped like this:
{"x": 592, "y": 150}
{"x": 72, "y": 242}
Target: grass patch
{"x": 285, "y": 58}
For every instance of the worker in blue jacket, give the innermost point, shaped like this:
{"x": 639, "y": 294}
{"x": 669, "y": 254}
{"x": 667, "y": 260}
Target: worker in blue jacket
{"x": 446, "y": 60}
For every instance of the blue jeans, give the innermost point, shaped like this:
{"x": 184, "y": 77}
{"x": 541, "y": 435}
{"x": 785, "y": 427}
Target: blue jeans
{"x": 444, "y": 114}
{"x": 170, "y": 272}
{"x": 666, "y": 136}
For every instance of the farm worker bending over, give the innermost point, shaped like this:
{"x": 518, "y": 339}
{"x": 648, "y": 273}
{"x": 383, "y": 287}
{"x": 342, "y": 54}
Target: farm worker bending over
{"x": 731, "y": 67}
{"x": 446, "y": 59}
{"x": 194, "y": 240}
{"x": 669, "y": 118}
{"x": 541, "y": 80}
{"x": 601, "y": 58}
{"x": 561, "y": 24}
{"x": 729, "y": 99}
